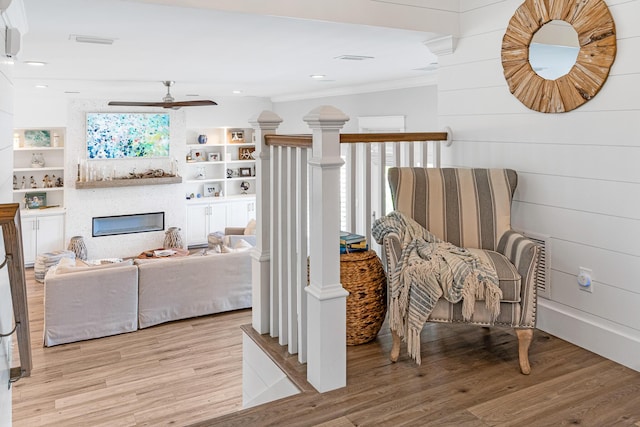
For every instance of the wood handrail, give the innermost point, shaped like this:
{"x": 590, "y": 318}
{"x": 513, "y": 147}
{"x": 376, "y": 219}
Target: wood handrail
{"x": 350, "y": 138}
{"x": 304, "y": 141}
{"x": 301, "y": 141}
{"x": 14, "y": 261}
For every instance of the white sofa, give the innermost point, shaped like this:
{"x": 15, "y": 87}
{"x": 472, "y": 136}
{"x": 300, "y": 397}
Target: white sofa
{"x": 91, "y": 302}
{"x": 81, "y": 303}
{"x": 183, "y": 287}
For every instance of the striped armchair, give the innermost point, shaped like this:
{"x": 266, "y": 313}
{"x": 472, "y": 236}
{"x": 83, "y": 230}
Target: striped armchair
{"x": 471, "y": 208}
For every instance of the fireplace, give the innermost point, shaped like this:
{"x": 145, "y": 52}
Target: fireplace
{"x": 127, "y": 224}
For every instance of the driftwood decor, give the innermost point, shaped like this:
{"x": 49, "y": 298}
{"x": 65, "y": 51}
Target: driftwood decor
{"x": 597, "y": 38}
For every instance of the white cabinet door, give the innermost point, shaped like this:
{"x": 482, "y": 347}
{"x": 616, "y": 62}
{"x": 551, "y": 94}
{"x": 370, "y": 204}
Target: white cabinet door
{"x": 239, "y": 212}
{"x": 29, "y": 234}
{"x": 203, "y": 219}
{"x": 217, "y": 217}
{"x": 197, "y": 224}
{"x": 41, "y": 234}
{"x": 50, "y": 233}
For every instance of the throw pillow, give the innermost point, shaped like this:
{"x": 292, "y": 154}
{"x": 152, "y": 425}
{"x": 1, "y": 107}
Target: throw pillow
{"x": 250, "y": 228}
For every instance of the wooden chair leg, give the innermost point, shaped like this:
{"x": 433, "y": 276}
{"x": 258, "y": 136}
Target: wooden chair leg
{"x": 524, "y": 340}
{"x": 395, "y": 347}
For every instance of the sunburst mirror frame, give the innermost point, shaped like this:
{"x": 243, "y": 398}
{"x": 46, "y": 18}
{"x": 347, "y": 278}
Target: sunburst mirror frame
{"x": 597, "y": 38}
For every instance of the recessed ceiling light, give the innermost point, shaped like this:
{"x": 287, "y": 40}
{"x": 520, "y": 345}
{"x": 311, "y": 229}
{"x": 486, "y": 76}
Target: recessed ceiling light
{"x": 317, "y": 76}
{"x": 35, "y": 63}
{"x": 90, "y": 39}
{"x": 71, "y": 91}
{"x": 192, "y": 94}
{"x": 41, "y": 86}
{"x": 237, "y": 92}
{"x": 354, "y": 57}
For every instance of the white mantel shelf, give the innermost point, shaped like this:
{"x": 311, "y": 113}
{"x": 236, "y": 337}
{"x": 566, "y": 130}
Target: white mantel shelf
{"x": 128, "y": 182}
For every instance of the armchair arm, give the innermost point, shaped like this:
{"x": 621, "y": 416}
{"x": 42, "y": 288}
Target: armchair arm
{"x": 523, "y": 254}
{"x": 392, "y": 251}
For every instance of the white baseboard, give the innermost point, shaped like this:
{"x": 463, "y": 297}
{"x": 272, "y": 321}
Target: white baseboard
{"x": 615, "y": 342}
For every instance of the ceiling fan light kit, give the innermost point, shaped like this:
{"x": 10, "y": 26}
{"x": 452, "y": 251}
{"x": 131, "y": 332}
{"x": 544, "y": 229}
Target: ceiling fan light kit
{"x": 168, "y": 101}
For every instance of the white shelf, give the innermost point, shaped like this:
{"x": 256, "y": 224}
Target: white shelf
{"x": 38, "y": 148}
{"x": 213, "y": 162}
{"x": 240, "y": 178}
{"x": 198, "y": 181}
{"x": 31, "y": 190}
{"x": 206, "y": 145}
{"x": 51, "y": 168}
{"x": 241, "y": 161}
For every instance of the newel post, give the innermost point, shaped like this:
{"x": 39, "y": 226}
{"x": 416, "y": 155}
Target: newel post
{"x": 326, "y": 299}
{"x": 265, "y": 123}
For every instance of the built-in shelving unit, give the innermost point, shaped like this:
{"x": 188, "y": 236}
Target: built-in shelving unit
{"x": 223, "y": 166}
{"x": 38, "y": 164}
{"x": 220, "y": 182}
{"x": 38, "y": 157}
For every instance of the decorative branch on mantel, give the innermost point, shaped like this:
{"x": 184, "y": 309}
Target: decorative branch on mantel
{"x": 128, "y": 182}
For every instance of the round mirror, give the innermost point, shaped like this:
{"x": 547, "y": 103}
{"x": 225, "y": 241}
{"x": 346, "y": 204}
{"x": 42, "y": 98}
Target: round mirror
{"x": 593, "y": 23}
{"x": 554, "y": 49}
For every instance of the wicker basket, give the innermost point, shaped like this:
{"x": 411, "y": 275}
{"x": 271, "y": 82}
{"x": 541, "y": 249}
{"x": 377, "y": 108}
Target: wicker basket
{"x": 361, "y": 274}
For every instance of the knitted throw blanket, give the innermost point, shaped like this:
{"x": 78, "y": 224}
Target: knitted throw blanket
{"x": 428, "y": 269}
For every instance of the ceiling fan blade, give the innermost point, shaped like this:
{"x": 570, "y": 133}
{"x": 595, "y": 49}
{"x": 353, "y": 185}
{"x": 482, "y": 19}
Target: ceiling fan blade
{"x": 194, "y": 103}
{"x": 136, "y": 104}
{"x": 168, "y": 101}
{"x": 178, "y": 104}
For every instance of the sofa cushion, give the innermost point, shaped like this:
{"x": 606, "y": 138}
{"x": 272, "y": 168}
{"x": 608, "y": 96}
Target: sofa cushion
{"x": 67, "y": 265}
{"x": 510, "y": 279}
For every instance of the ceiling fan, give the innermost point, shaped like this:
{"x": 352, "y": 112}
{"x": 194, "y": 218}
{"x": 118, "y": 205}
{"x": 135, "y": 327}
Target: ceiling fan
{"x": 167, "y": 102}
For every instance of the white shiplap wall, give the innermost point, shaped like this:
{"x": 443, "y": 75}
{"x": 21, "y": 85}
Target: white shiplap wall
{"x": 578, "y": 175}
{"x": 6, "y": 196}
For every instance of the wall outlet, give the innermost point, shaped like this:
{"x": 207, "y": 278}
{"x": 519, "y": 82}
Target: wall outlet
{"x": 585, "y": 280}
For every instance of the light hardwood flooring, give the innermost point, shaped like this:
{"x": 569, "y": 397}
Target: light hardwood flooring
{"x": 189, "y": 373}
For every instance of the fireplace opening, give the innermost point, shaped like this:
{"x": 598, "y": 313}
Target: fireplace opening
{"x": 127, "y": 224}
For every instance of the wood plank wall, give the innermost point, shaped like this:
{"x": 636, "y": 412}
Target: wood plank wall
{"x": 578, "y": 174}
{"x": 6, "y": 196}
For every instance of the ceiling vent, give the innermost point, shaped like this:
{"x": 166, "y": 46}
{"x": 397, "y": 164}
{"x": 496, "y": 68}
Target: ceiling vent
{"x": 354, "y": 57}
{"x": 90, "y": 39}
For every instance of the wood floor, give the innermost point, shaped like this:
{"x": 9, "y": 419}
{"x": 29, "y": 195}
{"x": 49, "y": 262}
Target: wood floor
{"x": 189, "y": 373}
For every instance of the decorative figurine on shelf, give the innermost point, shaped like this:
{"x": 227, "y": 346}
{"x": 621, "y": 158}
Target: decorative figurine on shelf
{"x": 201, "y": 174}
{"x": 229, "y": 173}
{"x": 23, "y": 185}
{"x": 15, "y": 182}
{"x": 37, "y": 160}
{"x": 59, "y": 182}
{"x": 32, "y": 182}
{"x": 244, "y": 186}
{"x": 202, "y": 139}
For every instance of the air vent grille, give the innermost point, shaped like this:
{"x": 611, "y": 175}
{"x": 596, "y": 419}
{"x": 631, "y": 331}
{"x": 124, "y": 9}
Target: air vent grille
{"x": 543, "y": 282}
{"x": 354, "y": 57}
